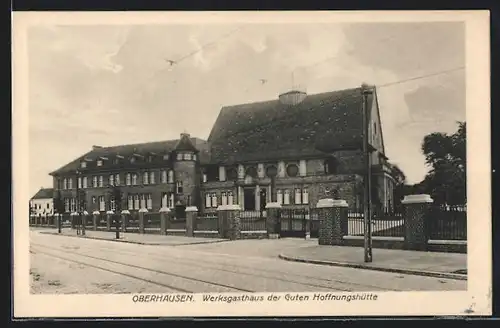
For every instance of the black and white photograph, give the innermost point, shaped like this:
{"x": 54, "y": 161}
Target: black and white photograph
{"x": 182, "y": 164}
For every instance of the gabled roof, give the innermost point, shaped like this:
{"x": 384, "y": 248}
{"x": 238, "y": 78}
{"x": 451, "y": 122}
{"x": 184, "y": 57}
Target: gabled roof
{"x": 159, "y": 148}
{"x": 272, "y": 130}
{"x": 44, "y": 193}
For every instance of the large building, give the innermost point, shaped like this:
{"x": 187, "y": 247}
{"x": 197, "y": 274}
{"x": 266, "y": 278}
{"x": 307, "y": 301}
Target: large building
{"x": 310, "y": 144}
{"x": 41, "y": 203}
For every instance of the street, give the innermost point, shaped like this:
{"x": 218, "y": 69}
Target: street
{"x": 70, "y": 265}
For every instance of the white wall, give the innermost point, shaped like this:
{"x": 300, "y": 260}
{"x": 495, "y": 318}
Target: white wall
{"x": 42, "y": 207}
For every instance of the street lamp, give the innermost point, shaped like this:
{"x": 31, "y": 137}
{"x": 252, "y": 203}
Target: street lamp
{"x": 367, "y": 178}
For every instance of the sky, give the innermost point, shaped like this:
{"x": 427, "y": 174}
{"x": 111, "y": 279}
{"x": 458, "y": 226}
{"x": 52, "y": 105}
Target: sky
{"x": 110, "y": 85}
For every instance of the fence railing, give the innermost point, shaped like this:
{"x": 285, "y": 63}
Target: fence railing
{"x": 252, "y": 221}
{"x": 207, "y": 222}
{"x": 152, "y": 222}
{"x": 176, "y": 223}
{"x": 447, "y": 223}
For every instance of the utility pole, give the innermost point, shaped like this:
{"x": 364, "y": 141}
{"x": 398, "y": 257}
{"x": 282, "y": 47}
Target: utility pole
{"x": 367, "y": 178}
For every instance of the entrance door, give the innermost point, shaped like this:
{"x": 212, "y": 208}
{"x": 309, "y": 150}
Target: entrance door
{"x": 249, "y": 202}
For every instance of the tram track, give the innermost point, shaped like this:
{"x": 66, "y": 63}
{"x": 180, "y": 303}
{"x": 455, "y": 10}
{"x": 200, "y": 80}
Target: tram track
{"x": 40, "y": 248}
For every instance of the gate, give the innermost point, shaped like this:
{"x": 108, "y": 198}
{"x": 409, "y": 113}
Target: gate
{"x": 293, "y": 223}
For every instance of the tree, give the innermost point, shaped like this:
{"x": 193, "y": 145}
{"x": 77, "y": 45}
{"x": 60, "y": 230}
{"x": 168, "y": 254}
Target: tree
{"x": 446, "y": 156}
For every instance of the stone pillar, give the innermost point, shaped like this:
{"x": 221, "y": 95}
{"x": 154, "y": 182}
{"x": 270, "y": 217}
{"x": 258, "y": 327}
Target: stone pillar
{"x": 332, "y": 221}
{"x": 257, "y": 197}
{"x": 109, "y": 220}
{"x": 229, "y": 221}
{"x": 125, "y": 215}
{"x": 415, "y": 211}
{"x": 241, "y": 197}
{"x": 95, "y": 219}
{"x": 164, "y": 217}
{"x": 273, "y": 220}
{"x": 191, "y": 215}
{"x": 142, "y": 220}
{"x": 58, "y": 222}
{"x": 307, "y": 222}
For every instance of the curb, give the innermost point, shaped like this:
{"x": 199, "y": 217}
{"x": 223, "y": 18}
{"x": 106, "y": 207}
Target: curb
{"x": 137, "y": 242}
{"x": 365, "y": 267}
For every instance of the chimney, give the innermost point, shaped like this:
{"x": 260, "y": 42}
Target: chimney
{"x": 94, "y": 147}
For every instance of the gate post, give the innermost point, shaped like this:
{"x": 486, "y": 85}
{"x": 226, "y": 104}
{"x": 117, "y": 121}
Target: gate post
{"x": 307, "y": 223}
{"x": 229, "y": 221}
{"x": 95, "y": 218}
{"x": 109, "y": 219}
{"x": 333, "y": 216}
{"x": 272, "y": 220}
{"x": 191, "y": 215}
{"x": 415, "y": 211}
{"x": 125, "y": 215}
{"x": 164, "y": 215}
{"x": 142, "y": 217}
{"x": 73, "y": 219}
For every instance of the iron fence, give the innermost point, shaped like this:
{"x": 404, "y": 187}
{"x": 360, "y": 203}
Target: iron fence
{"x": 252, "y": 221}
{"x": 132, "y": 224}
{"x": 382, "y": 224}
{"x": 293, "y": 222}
{"x": 102, "y": 221}
{"x": 176, "y": 223}
{"x": 447, "y": 222}
{"x": 152, "y": 222}
{"x": 207, "y": 222}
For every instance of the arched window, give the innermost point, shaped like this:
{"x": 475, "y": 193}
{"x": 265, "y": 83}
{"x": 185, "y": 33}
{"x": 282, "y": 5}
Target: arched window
{"x": 170, "y": 176}
{"x": 163, "y": 176}
{"x": 232, "y": 173}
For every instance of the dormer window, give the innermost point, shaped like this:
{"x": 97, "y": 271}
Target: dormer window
{"x": 165, "y": 157}
{"x": 187, "y": 157}
{"x": 99, "y": 162}
{"x": 252, "y": 172}
{"x": 292, "y": 170}
{"x": 331, "y": 166}
{"x": 150, "y": 159}
{"x": 194, "y": 157}
{"x": 83, "y": 165}
{"x": 179, "y": 157}
{"x": 132, "y": 160}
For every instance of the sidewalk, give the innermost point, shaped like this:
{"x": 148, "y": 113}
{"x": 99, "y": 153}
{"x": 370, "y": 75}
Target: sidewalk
{"x": 136, "y": 238}
{"x": 434, "y": 264}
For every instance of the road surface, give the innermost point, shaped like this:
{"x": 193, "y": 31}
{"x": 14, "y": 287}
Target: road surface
{"x": 69, "y": 265}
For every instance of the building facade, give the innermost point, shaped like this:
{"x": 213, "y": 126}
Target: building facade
{"x": 294, "y": 150}
{"x": 41, "y": 204}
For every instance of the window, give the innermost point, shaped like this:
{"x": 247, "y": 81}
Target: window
{"x": 152, "y": 178}
{"x": 99, "y": 163}
{"x": 331, "y": 165}
{"x": 279, "y": 196}
{"x": 230, "y": 198}
{"x": 165, "y": 157}
{"x": 251, "y": 171}
{"x": 374, "y": 128}
{"x": 73, "y": 205}
{"x": 194, "y": 157}
{"x": 132, "y": 159}
{"x": 179, "y": 187}
{"x": 204, "y": 177}
{"x": 149, "y": 202}
{"x": 65, "y": 183}
{"x": 224, "y": 199}
{"x": 208, "y": 200}
{"x": 145, "y": 178}
{"x": 66, "y": 204}
{"x": 164, "y": 200}
{"x": 94, "y": 200}
{"x": 70, "y": 183}
{"x": 286, "y": 198}
{"x": 150, "y": 159}
{"x": 101, "y": 181}
{"x": 130, "y": 202}
{"x": 292, "y": 170}
{"x": 79, "y": 182}
{"x": 143, "y": 201}
{"x": 232, "y": 174}
{"x": 94, "y": 181}
{"x": 136, "y": 202}
{"x": 170, "y": 176}
{"x": 85, "y": 182}
{"x": 163, "y": 176}
{"x": 112, "y": 205}
{"x": 102, "y": 204}
{"x": 134, "y": 179}
{"x": 111, "y": 180}
{"x": 117, "y": 179}
{"x": 83, "y": 165}
{"x": 127, "y": 179}
{"x": 188, "y": 157}
{"x": 214, "y": 200}
{"x": 179, "y": 157}
{"x": 305, "y": 196}
{"x": 298, "y": 196}
{"x": 171, "y": 201}
{"x": 48, "y": 205}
